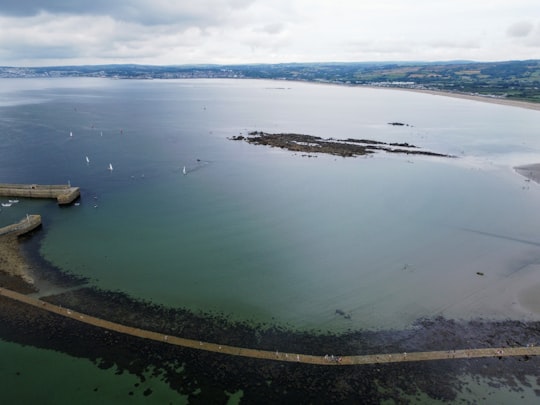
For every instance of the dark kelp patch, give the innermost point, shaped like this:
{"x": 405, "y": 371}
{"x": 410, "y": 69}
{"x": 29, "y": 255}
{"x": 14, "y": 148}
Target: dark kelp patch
{"x": 206, "y": 377}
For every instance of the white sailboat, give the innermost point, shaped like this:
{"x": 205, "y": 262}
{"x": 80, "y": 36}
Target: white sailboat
{"x": 87, "y": 160}
{"x": 110, "y": 167}
{"x": 70, "y": 133}
{"x": 184, "y": 170}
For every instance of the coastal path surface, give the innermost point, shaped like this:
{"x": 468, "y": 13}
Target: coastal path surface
{"x": 273, "y": 355}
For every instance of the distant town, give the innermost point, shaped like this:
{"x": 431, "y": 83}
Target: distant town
{"x": 517, "y": 80}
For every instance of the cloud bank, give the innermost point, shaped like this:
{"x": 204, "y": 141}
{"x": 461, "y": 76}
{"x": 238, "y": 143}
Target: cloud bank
{"x": 58, "y": 32}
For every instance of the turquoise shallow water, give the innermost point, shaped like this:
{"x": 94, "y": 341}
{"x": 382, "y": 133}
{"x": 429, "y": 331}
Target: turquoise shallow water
{"x": 262, "y": 234}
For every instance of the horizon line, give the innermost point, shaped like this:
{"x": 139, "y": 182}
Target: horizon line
{"x": 385, "y": 62}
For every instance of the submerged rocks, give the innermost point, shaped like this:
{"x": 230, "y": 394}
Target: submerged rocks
{"x": 207, "y": 377}
{"x": 398, "y": 124}
{"x": 350, "y": 147}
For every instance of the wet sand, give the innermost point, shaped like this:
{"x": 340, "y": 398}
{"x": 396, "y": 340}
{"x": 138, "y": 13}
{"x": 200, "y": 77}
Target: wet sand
{"x": 530, "y": 299}
{"x": 527, "y": 296}
{"x": 527, "y": 293}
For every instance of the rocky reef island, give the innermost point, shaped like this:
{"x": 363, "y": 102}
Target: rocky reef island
{"x": 310, "y": 144}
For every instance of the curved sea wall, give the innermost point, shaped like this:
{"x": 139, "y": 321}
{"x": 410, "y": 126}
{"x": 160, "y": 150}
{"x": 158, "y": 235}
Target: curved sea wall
{"x": 25, "y": 225}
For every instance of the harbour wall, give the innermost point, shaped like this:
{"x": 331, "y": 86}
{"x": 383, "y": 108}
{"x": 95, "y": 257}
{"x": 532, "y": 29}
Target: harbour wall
{"x": 25, "y": 225}
{"x": 63, "y": 193}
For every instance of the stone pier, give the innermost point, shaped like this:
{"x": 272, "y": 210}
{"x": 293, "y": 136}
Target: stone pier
{"x": 64, "y": 194}
{"x": 25, "y": 225}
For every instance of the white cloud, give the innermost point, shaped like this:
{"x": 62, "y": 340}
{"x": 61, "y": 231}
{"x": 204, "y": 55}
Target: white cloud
{"x": 520, "y": 29}
{"x": 525, "y": 34}
{"x": 42, "y": 32}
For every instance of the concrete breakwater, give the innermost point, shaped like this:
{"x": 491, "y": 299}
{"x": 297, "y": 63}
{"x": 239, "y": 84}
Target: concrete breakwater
{"x": 25, "y": 225}
{"x": 64, "y": 193}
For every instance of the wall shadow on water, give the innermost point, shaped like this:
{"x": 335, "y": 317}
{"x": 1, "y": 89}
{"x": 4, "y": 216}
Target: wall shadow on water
{"x": 207, "y": 377}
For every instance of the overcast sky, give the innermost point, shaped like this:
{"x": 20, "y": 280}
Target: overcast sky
{"x": 62, "y": 32}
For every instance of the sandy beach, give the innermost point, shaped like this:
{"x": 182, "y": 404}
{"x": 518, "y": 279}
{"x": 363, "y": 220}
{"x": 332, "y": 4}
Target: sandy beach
{"x": 488, "y": 99}
{"x": 472, "y": 97}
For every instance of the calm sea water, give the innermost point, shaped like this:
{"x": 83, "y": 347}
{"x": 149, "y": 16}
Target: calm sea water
{"x": 266, "y": 235}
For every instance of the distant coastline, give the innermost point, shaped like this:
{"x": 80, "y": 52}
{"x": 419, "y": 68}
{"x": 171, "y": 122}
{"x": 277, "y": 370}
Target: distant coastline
{"x": 512, "y": 82}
